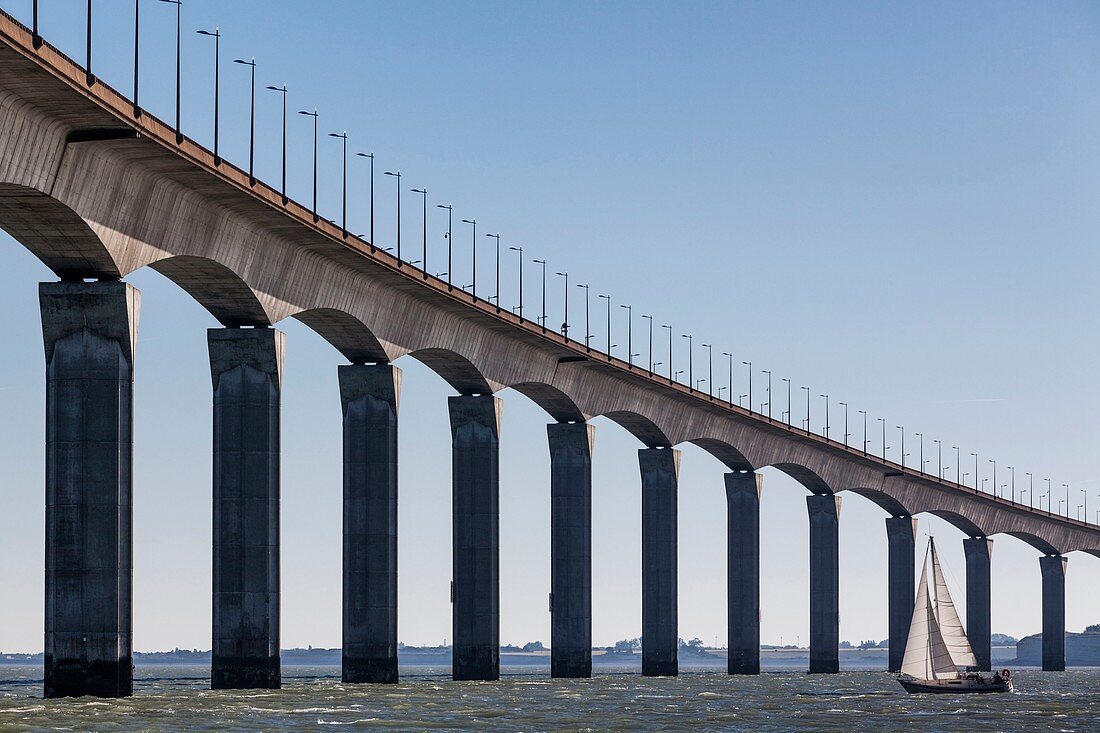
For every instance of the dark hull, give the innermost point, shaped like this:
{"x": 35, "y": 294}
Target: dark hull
{"x": 953, "y": 687}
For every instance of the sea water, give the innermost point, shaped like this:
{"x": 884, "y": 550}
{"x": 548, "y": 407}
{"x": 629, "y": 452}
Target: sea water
{"x": 176, "y": 698}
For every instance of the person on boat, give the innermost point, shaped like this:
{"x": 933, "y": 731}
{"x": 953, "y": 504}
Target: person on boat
{"x": 997, "y": 678}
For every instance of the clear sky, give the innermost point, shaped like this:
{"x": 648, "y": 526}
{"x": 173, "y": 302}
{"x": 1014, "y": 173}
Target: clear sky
{"x": 894, "y": 204}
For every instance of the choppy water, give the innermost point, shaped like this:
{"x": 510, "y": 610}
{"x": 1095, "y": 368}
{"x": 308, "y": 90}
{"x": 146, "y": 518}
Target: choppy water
{"x": 313, "y": 699}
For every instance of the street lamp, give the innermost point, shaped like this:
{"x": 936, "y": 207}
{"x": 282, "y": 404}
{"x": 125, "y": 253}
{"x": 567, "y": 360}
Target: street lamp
{"x": 807, "y": 390}
{"x": 975, "y": 470}
{"x": 826, "y": 415}
{"x": 565, "y": 323}
{"x": 217, "y": 36}
{"x": 89, "y": 77}
{"x": 520, "y": 251}
{"x": 1012, "y": 482}
{"x": 729, "y": 356}
{"x": 252, "y": 121}
{"x": 864, "y": 413}
{"x": 939, "y": 455}
{"x": 845, "y": 405}
{"x": 1067, "y": 500}
{"x": 424, "y": 224}
{"x": 629, "y": 334}
{"x": 542, "y": 316}
{"x": 691, "y": 359}
{"x": 313, "y": 114}
{"x": 609, "y": 344}
{"x": 397, "y": 176}
{"x": 650, "y": 319}
{"x": 995, "y": 478}
{"x": 587, "y": 313}
{"x": 497, "y": 238}
{"x": 371, "y": 156}
{"x": 769, "y": 390}
{"x": 473, "y": 263}
{"x": 883, "y": 421}
{"x": 179, "y": 6}
{"x": 670, "y": 351}
{"x": 137, "y": 56}
{"x": 1030, "y": 488}
{"x": 749, "y": 365}
{"x": 710, "y": 372}
{"x": 958, "y": 464}
{"x": 790, "y": 416}
{"x": 343, "y": 137}
{"x": 921, "y": 437}
{"x": 902, "y": 429}
{"x": 282, "y": 191}
{"x": 450, "y": 212}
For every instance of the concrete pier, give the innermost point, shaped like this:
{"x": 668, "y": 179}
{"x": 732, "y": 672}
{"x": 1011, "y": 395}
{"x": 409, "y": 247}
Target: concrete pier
{"x": 1054, "y": 612}
{"x": 660, "y": 469}
{"x": 570, "y": 549}
{"x": 475, "y": 613}
{"x": 978, "y": 551}
{"x": 743, "y": 571}
{"x": 369, "y": 396}
{"x": 89, "y": 332}
{"x": 900, "y": 536}
{"x": 246, "y": 369}
{"x": 824, "y": 510}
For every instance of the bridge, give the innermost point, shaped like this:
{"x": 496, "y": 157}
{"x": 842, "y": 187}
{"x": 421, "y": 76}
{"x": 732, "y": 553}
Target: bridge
{"x": 97, "y": 188}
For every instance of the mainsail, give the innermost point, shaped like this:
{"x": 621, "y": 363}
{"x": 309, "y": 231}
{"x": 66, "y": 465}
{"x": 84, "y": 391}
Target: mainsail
{"x": 926, "y": 654}
{"x": 951, "y": 627}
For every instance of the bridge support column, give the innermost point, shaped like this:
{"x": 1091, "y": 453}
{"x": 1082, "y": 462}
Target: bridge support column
{"x": 246, "y": 369}
{"x": 89, "y": 332}
{"x": 660, "y": 469}
{"x": 1054, "y": 612}
{"x": 570, "y": 549}
{"x": 900, "y": 535}
{"x": 743, "y": 571}
{"x": 475, "y": 614}
{"x": 824, "y": 510}
{"x": 369, "y": 396}
{"x": 978, "y": 551}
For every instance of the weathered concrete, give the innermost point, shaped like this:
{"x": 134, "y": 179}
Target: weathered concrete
{"x": 89, "y": 331}
{"x": 824, "y": 510}
{"x": 978, "y": 551}
{"x": 570, "y": 549}
{"x": 900, "y": 535}
{"x": 660, "y": 469}
{"x": 369, "y": 396}
{"x": 743, "y": 571}
{"x": 246, "y": 368}
{"x": 475, "y": 511}
{"x": 1053, "y": 568}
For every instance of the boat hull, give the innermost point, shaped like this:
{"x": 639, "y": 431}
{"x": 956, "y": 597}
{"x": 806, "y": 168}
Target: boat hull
{"x": 954, "y": 687}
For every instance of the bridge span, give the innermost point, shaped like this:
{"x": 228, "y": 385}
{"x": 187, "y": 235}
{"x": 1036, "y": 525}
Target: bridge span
{"x": 97, "y": 189}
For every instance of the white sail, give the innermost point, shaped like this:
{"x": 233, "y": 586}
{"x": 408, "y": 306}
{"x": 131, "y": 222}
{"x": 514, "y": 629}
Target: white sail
{"x": 926, "y": 656}
{"x": 947, "y": 617}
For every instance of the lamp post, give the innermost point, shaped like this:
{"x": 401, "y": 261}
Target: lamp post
{"x": 710, "y": 370}
{"x": 371, "y": 156}
{"x": 670, "y": 352}
{"x": 1030, "y": 488}
{"x": 729, "y": 384}
{"x": 883, "y": 421}
{"x": 807, "y": 390}
{"x": 36, "y": 39}
{"x": 691, "y": 360}
{"x": 958, "y": 464}
{"x": 629, "y": 334}
{"x": 542, "y": 316}
{"x": 497, "y": 293}
{"x": 976, "y": 483}
{"x": 1012, "y": 482}
{"x": 587, "y": 320}
{"x": 179, "y": 6}
{"x": 650, "y": 319}
{"x": 939, "y": 455}
{"x": 473, "y": 263}
{"x": 565, "y": 323}
{"x": 519, "y": 250}
{"x": 864, "y": 413}
{"x": 282, "y": 191}
{"x": 137, "y": 55}
{"x": 313, "y": 114}
{"x": 609, "y": 344}
{"x": 787, "y": 412}
{"x": 397, "y": 176}
{"x": 252, "y": 124}
{"x": 749, "y": 365}
{"x": 217, "y": 36}
{"x": 450, "y": 267}
{"x": 769, "y": 390}
{"x": 920, "y": 436}
{"x": 343, "y": 137}
{"x": 902, "y": 429}
{"x": 88, "y": 66}
{"x": 826, "y": 416}
{"x": 1067, "y": 499}
{"x": 424, "y": 225}
{"x": 995, "y": 478}
{"x": 845, "y": 406}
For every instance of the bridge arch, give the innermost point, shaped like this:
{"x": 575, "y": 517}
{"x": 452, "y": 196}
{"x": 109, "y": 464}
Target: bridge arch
{"x": 724, "y": 452}
{"x": 346, "y": 333}
{"x": 54, "y": 233}
{"x": 1037, "y": 542}
{"x": 963, "y": 524}
{"x": 216, "y": 287}
{"x": 556, "y": 403}
{"x": 640, "y": 426}
{"x": 888, "y": 503}
{"x": 455, "y": 369}
{"x": 805, "y": 476}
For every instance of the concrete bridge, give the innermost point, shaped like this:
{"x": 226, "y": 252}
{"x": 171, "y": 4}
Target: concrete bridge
{"x": 96, "y": 191}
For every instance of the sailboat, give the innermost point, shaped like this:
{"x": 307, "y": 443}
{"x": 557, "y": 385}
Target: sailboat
{"x": 937, "y": 645}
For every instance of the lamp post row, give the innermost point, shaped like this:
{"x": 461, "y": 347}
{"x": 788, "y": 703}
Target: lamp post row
{"x": 672, "y": 374}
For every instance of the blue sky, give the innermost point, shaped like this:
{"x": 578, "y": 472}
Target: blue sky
{"x": 890, "y": 203}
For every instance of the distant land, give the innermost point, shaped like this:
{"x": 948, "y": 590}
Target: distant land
{"x": 1082, "y": 649}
